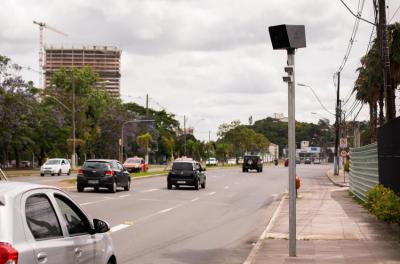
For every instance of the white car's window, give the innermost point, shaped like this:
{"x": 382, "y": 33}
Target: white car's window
{"x": 76, "y": 221}
{"x": 53, "y": 162}
{"x": 41, "y": 217}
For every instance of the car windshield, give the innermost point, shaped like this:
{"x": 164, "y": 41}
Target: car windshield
{"x": 99, "y": 165}
{"x": 53, "y": 162}
{"x": 182, "y": 166}
{"x": 133, "y": 161}
{"x": 251, "y": 158}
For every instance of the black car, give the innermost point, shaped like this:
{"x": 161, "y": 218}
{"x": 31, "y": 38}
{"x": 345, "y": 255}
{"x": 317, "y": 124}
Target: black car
{"x": 186, "y": 172}
{"x": 252, "y": 162}
{"x": 106, "y": 173}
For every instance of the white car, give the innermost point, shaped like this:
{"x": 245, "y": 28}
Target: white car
{"x": 55, "y": 166}
{"x": 42, "y": 224}
{"x": 232, "y": 161}
{"x": 212, "y": 162}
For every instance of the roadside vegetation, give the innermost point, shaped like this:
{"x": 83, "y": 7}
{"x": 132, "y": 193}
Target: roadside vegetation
{"x": 384, "y": 203}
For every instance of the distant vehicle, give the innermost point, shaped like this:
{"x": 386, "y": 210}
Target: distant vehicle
{"x": 317, "y": 161}
{"x": 135, "y": 164}
{"x": 98, "y": 173}
{"x": 49, "y": 227}
{"x": 211, "y": 162}
{"x": 307, "y": 161}
{"x": 240, "y": 160}
{"x": 25, "y": 164}
{"x": 252, "y": 162}
{"x": 232, "y": 161}
{"x": 55, "y": 166}
{"x": 186, "y": 172}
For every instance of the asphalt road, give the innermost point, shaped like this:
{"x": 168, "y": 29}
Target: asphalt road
{"x": 219, "y": 224}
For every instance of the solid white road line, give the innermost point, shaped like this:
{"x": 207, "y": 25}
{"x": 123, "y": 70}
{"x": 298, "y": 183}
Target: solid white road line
{"x": 271, "y": 223}
{"x": 118, "y": 227}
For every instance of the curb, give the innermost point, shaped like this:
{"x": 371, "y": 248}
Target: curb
{"x": 333, "y": 181}
{"x": 257, "y": 246}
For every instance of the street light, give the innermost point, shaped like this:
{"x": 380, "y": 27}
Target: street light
{"x": 122, "y": 133}
{"x": 73, "y": 159}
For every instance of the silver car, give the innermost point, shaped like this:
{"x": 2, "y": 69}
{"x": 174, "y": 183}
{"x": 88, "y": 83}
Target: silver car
{"x": 42, "y": 224}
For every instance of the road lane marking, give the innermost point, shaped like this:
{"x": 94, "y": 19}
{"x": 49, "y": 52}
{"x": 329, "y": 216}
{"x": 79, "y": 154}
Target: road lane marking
{"x": 166, "y": 210}
{"x": 211, "y": 193}
{"x": 118, "y": 227}
{"x": 195, "y": 199}
{"x": 126, "y": 195}
{"x": 150, "y": 190}
{"x": 226, "y": 187}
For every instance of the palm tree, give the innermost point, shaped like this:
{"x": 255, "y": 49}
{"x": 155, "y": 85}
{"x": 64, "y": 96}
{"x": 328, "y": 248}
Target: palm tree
{"x": 144, "y": 141}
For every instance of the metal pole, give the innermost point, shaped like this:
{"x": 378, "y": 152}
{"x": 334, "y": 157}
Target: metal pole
{"x": 147, "y": 105}
{"x": 336, "y": 158}
{"x": 122, "y": 143}
{"x": 184, "y": 133}
{"x": 73, "y": 124}
{"x": 292, "y": 157}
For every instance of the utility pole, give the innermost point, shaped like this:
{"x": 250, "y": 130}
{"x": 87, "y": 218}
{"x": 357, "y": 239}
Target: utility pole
{"x": 336, "y": 158}
{"x": 389, "y": 93}
{"x": 73, "y": 123}
{"x": 147, "y": 105}
{"x": 184, "y": 133}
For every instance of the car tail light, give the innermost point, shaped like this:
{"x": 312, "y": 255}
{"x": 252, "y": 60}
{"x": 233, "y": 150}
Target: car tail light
{"x": 80, "y": 173}
{"x": 109, "y": 173}
{"x": 8, "y": 254}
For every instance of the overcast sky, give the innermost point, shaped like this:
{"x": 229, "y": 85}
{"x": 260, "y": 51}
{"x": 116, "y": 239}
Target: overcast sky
{"x": 210, "y": 60}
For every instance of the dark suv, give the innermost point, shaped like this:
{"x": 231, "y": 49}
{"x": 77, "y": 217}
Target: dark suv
{"x": 186, "y": 172}
{"x": 103, "y": 173}
{"x": 252, "y": 162}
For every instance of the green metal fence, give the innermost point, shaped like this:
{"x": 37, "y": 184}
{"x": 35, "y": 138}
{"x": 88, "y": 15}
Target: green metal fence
{"x": 363, "y": 170}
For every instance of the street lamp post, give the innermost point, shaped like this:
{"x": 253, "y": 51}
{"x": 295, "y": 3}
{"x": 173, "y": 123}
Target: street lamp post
{"x": 73, "y": 163}
{"x": 122, "y": 133}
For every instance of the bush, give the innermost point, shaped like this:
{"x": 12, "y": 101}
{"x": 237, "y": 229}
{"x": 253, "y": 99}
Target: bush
{"x": 384, "y": 203}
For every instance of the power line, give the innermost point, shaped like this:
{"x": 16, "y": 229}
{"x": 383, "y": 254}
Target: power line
{"x": 358, "y": 16}
{"x": 395, "y": 12}
{"x": 353, "y": 34}
{"x": 316, "y": 96}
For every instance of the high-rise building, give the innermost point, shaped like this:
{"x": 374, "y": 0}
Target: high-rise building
{"x": 105, "y": 60}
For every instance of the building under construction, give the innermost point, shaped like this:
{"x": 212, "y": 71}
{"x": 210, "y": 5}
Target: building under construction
{"x": 104, "y": 60}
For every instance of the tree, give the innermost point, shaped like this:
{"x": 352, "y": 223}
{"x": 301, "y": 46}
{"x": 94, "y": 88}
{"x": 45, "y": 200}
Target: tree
{"x": 144, "y": 141}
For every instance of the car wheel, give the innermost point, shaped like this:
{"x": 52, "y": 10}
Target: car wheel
{"x": 169, "y": 186}
{"x": 69, "y": 172}
{"x": 52, "y": 174}
{"x": 196, "y": 184}
{"x": 128, "y": 186}
{"x": 96, "y": 189}
{"x": 203, "y": 185}
{"x": 113, "y": 189}
{"x": 80, "y": 188}
{"x": 59, "y": 173}
{"x": 243, "y": 170}
{"x": 177, "y": 186}
{"x": 41, "y": 174}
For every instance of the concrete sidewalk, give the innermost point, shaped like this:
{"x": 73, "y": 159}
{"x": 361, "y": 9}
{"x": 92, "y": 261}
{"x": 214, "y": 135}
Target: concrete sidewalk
{"x": 331, "y": 228}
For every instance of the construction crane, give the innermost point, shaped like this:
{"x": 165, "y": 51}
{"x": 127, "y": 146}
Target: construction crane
{"x": 43, "y": 25}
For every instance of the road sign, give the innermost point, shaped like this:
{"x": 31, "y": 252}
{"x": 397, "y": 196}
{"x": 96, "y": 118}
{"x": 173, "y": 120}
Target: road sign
{"x": 343, "y": 143}
{"x": 343, "y": 153}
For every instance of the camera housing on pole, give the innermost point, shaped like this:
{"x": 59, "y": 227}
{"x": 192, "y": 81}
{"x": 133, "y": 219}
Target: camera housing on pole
{"x": 290, "y": 38}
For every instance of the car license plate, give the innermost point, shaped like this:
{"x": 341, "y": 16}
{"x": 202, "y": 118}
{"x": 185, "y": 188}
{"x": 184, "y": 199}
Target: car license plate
{"x": 181, "y": 182}
{"x": 93, "y": 181}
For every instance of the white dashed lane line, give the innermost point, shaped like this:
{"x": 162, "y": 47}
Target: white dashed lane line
{"x": 166, "y": 210}
{"x": 126, "y": 195}
{"x": 118, "y": 227}
{"x": 195, "y": 199}
{"x": 150, "y": 190}
{"x": 226, "y": 187}
{"x": 211, "y": 193}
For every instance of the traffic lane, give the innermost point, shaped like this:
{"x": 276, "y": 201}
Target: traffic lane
{"x": 46, "y": 180}
{"x": 227, "y": 213}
